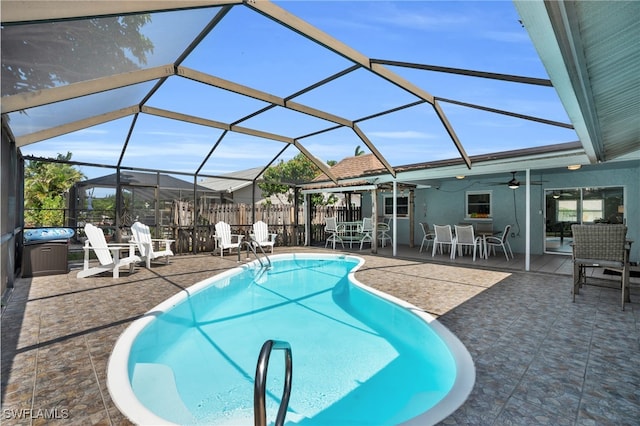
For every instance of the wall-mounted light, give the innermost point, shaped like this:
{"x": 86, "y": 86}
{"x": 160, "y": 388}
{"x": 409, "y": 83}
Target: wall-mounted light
{"x": 460, "y": 177}
{"x": 574, "y": 166}
{"x": 556, "y": 195}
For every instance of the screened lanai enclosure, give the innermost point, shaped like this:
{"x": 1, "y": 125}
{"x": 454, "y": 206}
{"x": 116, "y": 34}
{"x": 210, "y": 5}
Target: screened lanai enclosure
{"x": 164, "y": 203}
{"x": 197, "y": 89}
{"x": 211, "y": 87}
{"x": 179, "y": 88}
{"x": 172, "y": 208}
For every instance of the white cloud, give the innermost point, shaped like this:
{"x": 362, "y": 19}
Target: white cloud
{"x": 392, "y": 13}
{"x": 181, "y": 135}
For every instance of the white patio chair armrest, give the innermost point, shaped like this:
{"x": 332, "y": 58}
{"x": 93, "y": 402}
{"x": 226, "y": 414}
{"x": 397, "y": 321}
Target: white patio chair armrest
{"x": 119, "y": 246}
{"x": 167, "y": 242}
{"x": 273, "y": 237}
{"x": 87, "y": 250}
{"x": 115, "y": 250}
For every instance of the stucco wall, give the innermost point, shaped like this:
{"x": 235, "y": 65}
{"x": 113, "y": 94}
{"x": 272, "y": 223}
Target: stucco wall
{"x": 446, "y": 204}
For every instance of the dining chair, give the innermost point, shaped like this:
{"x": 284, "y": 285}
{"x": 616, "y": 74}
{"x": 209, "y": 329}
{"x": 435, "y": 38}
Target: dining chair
{"x": 484, "y": 227}
{"x": 331, "y": 228}
{"x": 444, "y": 237}
{"x": 365, "y": 231}
{"x": 465, "y": 238}
{"x": 502, "y": 241}
{"x": 427, "y": 236}
{"x": 384, "y": 233}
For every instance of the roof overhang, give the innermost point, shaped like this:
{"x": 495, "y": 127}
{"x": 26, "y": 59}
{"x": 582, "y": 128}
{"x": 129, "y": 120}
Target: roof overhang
{"x": 355, "y": 188}
{"x": 591, "y": 53}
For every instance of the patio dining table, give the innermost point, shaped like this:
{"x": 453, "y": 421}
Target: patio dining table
{"x": 484, "y": 233}
{"x": 350, "y": 232}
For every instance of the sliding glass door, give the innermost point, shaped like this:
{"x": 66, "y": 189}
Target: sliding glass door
{"x": 568, "y": 206}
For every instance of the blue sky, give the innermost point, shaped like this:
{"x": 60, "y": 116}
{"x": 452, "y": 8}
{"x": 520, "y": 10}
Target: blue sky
{"x": 252, "y": 50}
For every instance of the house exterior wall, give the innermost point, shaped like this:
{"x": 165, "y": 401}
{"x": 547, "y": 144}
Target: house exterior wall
{"x": 245, "y": 195}
{"x": 446, "y": 204}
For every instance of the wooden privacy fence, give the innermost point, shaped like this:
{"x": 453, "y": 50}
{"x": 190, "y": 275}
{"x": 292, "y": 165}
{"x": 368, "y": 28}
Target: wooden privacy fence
{"x": 279, "y": 218}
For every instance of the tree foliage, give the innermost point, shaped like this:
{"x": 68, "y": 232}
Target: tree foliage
{"x": 33, "y": 59}
{"x": 45, "y": 187}
{"x": 299, "y": 169}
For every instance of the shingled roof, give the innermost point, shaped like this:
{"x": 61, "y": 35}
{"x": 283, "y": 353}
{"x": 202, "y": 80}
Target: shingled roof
{"x": 352, "y": 167}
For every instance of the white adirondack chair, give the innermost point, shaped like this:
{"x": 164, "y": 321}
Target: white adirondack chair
{"x": 262, "y": 236}
{"x": 225, "y": 239}
{"x": 108, "y": 254}
{"x": 142, "y": 238}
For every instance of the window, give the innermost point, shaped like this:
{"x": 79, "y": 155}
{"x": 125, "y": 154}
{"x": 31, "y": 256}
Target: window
{"x": 567, "y": 211}
{"x": 402, "y": 206}
{"x": 478, "y": 205}
{"x": 592, "y": 210}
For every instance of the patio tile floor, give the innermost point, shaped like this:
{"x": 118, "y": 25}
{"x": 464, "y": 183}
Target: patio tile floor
{"x": 540, "y": 359}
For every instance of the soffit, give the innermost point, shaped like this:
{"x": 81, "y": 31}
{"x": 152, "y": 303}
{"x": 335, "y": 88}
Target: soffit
{"x": 591, "y": 51}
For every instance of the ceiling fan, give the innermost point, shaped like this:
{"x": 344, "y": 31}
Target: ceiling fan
{"x": 515, "y": 183}
{"x": 563, "y": 194}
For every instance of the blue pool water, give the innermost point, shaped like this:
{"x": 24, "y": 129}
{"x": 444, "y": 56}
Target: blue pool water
{"x": 358, "y": 358}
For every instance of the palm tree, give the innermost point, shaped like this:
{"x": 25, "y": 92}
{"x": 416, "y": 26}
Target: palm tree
{"x": 358, "y": 151}
{"x": 45, "y": 187}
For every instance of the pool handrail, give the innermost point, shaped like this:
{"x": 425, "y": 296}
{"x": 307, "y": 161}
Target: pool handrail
{"x": 251, "y": 244}
{"x": 259, "y": 388}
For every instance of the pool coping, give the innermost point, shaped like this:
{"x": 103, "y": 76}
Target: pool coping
{"x": 465, "y": 368}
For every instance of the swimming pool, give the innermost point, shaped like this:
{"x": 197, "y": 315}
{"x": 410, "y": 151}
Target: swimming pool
{"x": 359, "y": 356}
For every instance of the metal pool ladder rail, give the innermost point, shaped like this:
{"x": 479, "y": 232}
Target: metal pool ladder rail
{"x": 259, "y": 388}
{"x": 251, "y": 245}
